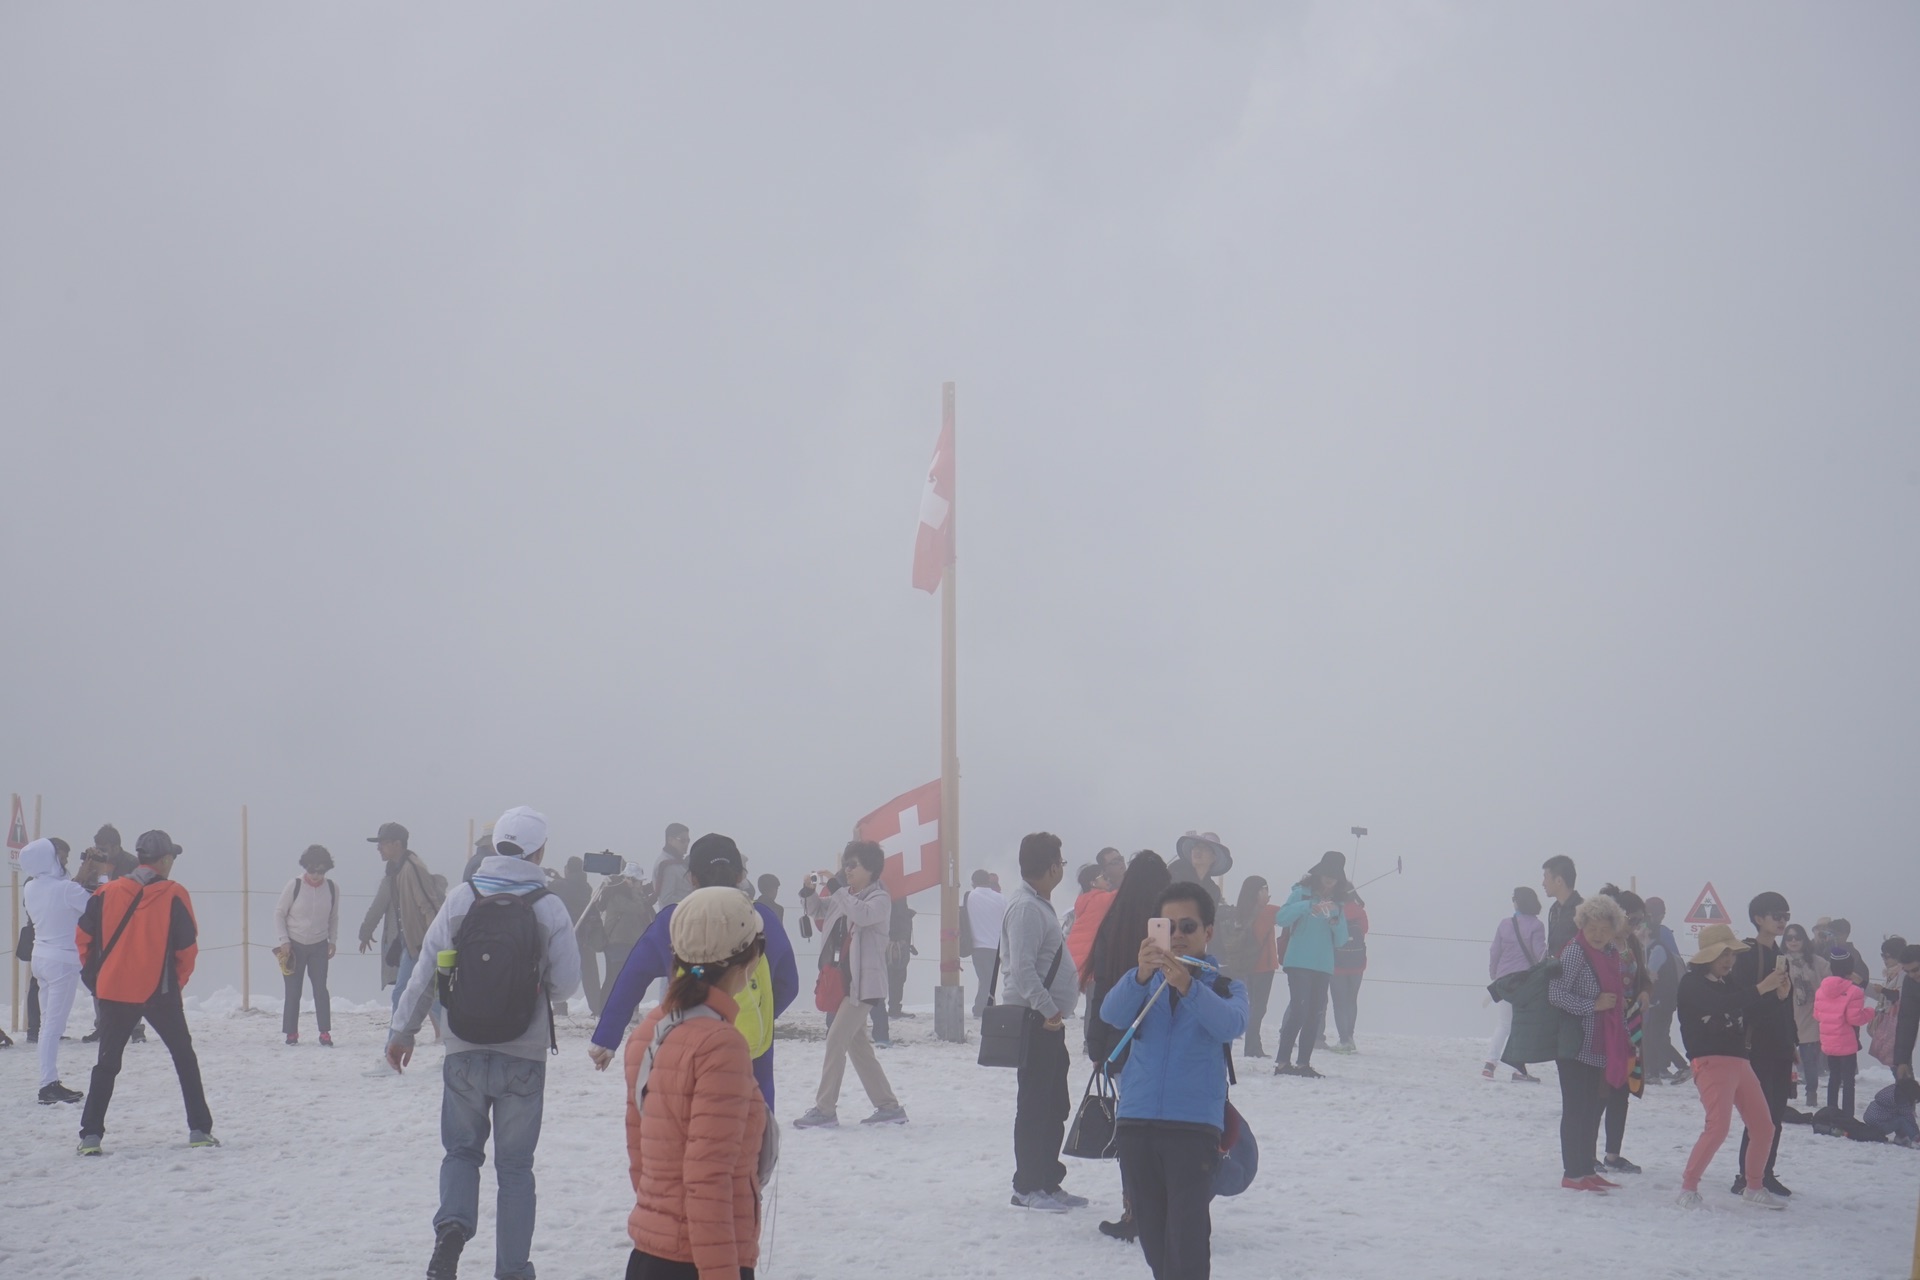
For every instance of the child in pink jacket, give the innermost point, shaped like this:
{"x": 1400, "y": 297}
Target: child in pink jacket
{"x": 1840, "y": 1007}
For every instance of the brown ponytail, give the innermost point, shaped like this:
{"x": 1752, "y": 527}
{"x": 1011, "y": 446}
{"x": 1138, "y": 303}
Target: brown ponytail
{"x": 692, "y": 983}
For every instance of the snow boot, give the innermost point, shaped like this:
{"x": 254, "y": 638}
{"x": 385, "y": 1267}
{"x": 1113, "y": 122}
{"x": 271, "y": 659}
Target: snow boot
{"x": 445, "y": 1263}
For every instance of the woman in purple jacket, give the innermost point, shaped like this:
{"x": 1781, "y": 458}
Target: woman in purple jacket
{"x": 1519, "y": 942}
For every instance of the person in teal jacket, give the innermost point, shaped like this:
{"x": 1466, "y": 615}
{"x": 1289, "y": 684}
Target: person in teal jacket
{"x": 1316, "y": 923}
{"x": 1173, "y": 1091}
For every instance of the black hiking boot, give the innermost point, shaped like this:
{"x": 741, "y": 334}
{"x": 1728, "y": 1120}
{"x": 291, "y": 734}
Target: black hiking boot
{"x": 445, "y": 1263}
{"x": 57, "y": 1092}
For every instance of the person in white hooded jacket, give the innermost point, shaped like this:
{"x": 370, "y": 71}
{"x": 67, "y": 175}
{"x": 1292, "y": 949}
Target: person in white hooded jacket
{"x": 54, "y": 904}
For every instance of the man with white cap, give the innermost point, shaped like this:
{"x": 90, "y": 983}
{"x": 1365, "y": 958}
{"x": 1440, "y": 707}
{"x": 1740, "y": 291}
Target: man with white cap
{"x": 54, "y": 905}
{"x": 493, "y": 931}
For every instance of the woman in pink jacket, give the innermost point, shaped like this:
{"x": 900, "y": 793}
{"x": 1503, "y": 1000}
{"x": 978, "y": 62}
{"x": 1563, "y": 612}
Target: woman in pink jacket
{"x": 1840, "y": 1007}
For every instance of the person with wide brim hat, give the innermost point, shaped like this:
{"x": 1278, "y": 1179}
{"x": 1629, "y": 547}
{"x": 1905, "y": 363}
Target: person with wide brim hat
{"x": 1714, "y": 1009}
{"x": 1200, "y": 858}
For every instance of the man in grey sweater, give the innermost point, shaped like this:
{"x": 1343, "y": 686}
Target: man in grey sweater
{"x": 1038, "y": 975}
{"x": 499, "y": 1085}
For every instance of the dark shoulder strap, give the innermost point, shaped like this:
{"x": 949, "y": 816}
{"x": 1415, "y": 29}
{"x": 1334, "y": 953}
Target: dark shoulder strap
{"x": 296, "y": 889}
{"x": 1521, "y": 939}
{"x": 125, "y": 920}
{"x": 1056, "y": 965}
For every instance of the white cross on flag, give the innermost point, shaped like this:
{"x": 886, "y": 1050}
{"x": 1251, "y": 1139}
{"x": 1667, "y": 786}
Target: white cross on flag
{"x": 908, "y": 828}
{"x": 933, "y": 545}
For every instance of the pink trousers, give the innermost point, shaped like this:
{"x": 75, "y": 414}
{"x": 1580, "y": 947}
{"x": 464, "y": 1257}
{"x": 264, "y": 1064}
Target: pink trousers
{"x": 1726, "y": 1084}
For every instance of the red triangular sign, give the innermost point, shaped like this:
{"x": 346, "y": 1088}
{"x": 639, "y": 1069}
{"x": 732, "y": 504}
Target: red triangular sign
{"x": 1708, "y": 909}
{"x": 17, "y": 829}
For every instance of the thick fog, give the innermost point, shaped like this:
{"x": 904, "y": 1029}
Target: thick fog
{"x": 1492, "y": 425}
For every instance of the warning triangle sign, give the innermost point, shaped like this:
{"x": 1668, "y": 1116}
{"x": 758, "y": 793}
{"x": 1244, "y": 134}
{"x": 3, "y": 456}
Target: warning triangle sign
{"x": 1708, "y": 909}
{"x": 17, "y": 829}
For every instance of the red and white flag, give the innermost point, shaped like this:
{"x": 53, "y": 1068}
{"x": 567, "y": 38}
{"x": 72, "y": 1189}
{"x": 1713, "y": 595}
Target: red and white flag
{"x": 908, "y": 828}
{"x": 933, "y": 547}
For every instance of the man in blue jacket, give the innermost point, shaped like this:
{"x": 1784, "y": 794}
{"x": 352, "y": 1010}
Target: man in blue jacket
{"x": 1173, "y": 1092}
{"x": 713, "y": 860}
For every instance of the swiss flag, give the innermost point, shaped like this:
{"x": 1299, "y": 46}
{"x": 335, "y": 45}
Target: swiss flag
{"x": 908, "y": 828}
{"x": 933, "y": 547}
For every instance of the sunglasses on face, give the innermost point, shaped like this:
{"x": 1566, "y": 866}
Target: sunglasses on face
{"x": 1187, "y": 926}
{"x": 1779, "y": 915}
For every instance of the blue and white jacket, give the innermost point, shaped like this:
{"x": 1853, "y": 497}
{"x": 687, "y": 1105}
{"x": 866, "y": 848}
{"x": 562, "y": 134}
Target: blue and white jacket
{"x": 1176, "y": 1070}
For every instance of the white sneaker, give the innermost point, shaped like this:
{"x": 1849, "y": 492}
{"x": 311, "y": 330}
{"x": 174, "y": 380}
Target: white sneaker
{"x": 1761, "y": 1198}
{"x": 1041, "y": 1201}
{"x": 380, "y": 1070}
{"x": 1690, "y": 1200}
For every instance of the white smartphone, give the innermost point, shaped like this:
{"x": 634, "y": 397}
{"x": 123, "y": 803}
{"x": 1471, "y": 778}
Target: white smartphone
{"x": 1160, "y": 932}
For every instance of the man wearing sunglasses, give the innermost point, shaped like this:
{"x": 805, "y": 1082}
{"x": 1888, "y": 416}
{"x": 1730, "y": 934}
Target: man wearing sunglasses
{"x": 1173, "y": 1090}
{"x": 1773, "y": 1034}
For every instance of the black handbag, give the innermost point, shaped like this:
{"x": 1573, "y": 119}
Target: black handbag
{"x": 1092, "y": 1134}
{"x": 23, "y": 950}
{"x": 1503, "y": 988}
{"x": 1007, "y": 1029}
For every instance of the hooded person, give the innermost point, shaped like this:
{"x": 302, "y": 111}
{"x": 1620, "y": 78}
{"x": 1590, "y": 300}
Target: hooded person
{"x": 54, "y": 904}
{"x": 489, "y": 935}
{"x": 695, "y": 1123}
{"x": 1200, "y": 858}
{"x": 773, "y": 981}
{"x": 138, "y": 941}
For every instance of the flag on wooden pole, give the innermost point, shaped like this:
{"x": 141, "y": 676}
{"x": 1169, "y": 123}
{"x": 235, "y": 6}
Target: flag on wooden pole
{"x": 908, "y": 828}
{"x": 933, "y": 545}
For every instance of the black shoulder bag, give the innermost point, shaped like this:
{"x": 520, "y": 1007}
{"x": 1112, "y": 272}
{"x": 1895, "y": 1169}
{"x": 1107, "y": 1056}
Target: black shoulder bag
{"x": 1007, "y": 1029}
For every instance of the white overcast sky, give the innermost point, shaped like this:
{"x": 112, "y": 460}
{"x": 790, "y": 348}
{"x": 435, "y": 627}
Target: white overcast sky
{"x": 1492, "y": 424}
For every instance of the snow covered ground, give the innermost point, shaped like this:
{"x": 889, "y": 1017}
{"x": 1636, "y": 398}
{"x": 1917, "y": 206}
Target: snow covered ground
{"x": 1403, "y": 1163}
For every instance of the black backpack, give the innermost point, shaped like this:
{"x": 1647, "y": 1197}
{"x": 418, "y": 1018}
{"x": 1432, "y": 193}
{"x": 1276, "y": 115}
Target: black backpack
{"x": 494, "y": 988}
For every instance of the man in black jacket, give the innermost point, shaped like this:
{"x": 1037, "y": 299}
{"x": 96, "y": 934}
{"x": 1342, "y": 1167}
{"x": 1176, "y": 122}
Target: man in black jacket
{"x": 1907, "y": 1027}
{"x": 1773, "y": 1035}
{"x": 1558, "y": 882}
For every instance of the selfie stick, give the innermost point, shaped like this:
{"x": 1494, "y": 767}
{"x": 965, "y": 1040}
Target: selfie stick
{"x": 1398, "y": 866}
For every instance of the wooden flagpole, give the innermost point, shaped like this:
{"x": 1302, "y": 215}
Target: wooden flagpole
{"x": 246, "y": 916}
{"x": 950, "y": 1022}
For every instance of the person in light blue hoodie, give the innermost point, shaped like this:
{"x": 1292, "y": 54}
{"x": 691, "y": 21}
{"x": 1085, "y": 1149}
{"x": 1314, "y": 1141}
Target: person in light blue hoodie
{"x": 1173, "y": 1090}
{"x": 1316, "y": 923}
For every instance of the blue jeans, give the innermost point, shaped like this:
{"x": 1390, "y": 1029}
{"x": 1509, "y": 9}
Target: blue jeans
{"x": 485, "y": 1085}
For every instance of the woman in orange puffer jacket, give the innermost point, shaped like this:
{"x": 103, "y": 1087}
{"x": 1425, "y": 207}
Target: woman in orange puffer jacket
{"x": 695, "y": 1116}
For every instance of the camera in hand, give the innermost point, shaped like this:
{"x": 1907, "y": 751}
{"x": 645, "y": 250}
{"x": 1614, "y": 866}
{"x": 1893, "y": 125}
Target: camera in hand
{"x": 605, "y": 863}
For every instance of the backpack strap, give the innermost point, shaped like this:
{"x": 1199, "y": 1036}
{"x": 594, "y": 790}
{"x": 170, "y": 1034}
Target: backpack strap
{"x": 665, "y": 1028}
{"x": 1524, "y": 949}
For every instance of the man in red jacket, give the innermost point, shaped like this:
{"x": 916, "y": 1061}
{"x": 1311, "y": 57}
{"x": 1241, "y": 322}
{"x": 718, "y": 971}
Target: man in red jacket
{"x": 137, "y": 941}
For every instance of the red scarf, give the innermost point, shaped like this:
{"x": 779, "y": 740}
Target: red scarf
{"x": 1610, "y": 1025}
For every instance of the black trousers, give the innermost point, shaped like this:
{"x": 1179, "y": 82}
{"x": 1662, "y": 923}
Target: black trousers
{"x": 307, "y": 958}
{"x": 1306, "y": 1013}
{"x": 1616, "y": 1115}
{"x": 1583, "y": 1099}
{"x": 644, "y": 1266}
{"x": 1842, "y": 1071}
{"x": 896, "y": 982}
{"x": 169, "y": 1021}
{"x": 1040, "y": 1112}
{"x": 33, "y": 1008}
{"x": 1776, "y": 1081}
{"x": 1167, "y": 1174}
{"x": 1259, "y": 994}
